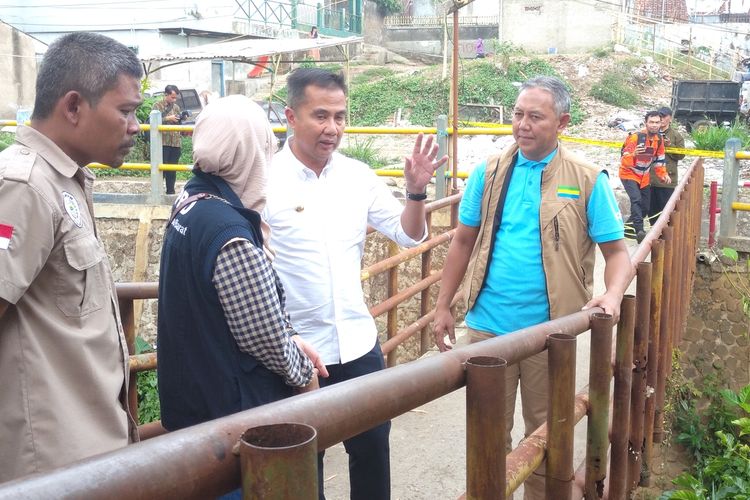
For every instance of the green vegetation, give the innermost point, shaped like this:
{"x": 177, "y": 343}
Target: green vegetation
{"x": 6, "y": 139}
{"x": 423, "y": 96}
{"x": 372, "y": 74}
{"x": 149, "y": 408}
{"x": 389, "y": 7}
{"x": 602, "y": 52}
{"x": 714, "y": 426}
{"x": 614, "y": 88}
{"x": 714, "y": 138}
{"x": 365, "y": 151}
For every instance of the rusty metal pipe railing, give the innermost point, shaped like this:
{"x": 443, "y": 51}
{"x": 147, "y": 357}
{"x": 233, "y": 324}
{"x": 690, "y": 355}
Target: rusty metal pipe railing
{"x": 560, "y": 415}
{"x": 416, "y": 327}
{"x": 197, "y": 462}
{"x": 640, "y": 361}
{"x": 425, "y": 303}
{"x": 600, "y": 377}
{"x": 652, "y": 359}
{"x": 665, "y": 351}
{"x": 485, "y": 427}
{"x": 529, "y": 454}
{"x": 405, "y": 255}
{"x": 405, "y": 294}
{"x": 392, "y": 318}
{"x": 618, "y": 465}
{"x": 142, "y": 362}
{"x": 279, "y": 462}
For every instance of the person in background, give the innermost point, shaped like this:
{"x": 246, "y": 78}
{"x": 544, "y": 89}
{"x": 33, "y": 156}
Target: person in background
{"x": 319, "y": 206}
{"x": 662, "y": 191}
{"x": 480, "y": 48}
{"x": 171, "y": 142}
{"x": 221, "y": 305}
{"x": 642, "y": 152}
{"x": 538, "y": 208}
{"x": 63, "y": 355}
{"x": 315, "y": 52}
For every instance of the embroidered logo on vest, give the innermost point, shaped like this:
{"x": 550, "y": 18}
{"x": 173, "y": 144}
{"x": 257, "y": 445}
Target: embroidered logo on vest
{"x": 568, "y": 192}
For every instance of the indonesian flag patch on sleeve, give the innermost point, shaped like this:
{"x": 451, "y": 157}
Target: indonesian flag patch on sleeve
{"x": 6, "y": 233}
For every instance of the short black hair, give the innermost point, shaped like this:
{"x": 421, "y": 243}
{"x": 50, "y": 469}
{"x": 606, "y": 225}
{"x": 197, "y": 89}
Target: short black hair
{"x": 665, "y": 111}
{"x": 650, "y": 114}
{"x": 88, "y": 63}
{"x": 171, "y": 88}
{"x": 301, "y": 78}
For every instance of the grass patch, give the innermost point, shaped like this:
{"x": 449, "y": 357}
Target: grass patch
{"x": 6, "y": 139}
{"x": 423, "y": 96}
{"x": 365, "y": 151}
{"x": 372, "y": 74}
{"x": 613, "y": 88}
{"x": 714, "y": 138}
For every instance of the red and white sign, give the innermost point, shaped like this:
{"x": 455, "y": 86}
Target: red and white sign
{"x": 6, "y": 232}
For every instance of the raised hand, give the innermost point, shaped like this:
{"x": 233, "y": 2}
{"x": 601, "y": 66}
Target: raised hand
{"x": 421, "y": 165}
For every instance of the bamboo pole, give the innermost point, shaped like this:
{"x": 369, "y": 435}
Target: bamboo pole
{"x": 560, "y": 416}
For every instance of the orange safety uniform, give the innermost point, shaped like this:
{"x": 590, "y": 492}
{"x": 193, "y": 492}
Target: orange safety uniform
{"x": 636, "y": 167}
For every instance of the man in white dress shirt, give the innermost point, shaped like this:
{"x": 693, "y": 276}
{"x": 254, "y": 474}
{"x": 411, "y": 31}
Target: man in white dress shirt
{"x": 319, "y": 206}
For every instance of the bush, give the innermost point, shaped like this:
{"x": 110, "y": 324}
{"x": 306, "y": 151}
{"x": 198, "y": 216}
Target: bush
{"x": 714, "y": 138}
{"x": 613, "y": 89}
{"x": 718, "y": 436}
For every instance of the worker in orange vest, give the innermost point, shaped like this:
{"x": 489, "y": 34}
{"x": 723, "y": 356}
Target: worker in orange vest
{"x": 642, "y": 152}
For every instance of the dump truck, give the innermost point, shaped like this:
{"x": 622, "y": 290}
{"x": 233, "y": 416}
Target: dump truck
{"x": 698, "y": 103}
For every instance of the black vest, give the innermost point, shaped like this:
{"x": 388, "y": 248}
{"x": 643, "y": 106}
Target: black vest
{"x": 202, "y": 374}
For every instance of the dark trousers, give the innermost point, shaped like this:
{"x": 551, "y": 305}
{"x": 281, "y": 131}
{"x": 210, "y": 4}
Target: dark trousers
{"x": 639, "y": 203}
{"x": 369, "y": 452}
{"x": 171, "y": 155}
{"x": 659, "y": 198}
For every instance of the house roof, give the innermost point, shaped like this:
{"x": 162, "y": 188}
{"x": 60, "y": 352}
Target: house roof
{"x": 247, "y": 50}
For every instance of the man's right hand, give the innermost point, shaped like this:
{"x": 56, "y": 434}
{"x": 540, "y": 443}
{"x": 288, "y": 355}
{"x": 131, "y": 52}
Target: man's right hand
{"x": 443, "y": 324}
{"x": 311, "y": 353}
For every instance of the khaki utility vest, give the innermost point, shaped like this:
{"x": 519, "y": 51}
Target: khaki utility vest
{"x": 567, "y": 251}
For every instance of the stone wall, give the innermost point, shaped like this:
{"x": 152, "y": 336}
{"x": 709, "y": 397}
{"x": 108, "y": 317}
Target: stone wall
{"x": 717, "y": 334}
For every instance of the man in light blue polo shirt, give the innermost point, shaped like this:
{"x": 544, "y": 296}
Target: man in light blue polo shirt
{"x": 528, "y": 225}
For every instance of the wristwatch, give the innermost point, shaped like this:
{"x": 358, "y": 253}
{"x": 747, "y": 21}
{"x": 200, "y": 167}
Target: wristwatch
{"x": 416, "y": 196}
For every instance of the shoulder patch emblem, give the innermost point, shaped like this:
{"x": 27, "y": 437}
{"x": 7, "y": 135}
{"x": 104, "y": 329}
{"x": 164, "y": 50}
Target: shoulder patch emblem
{"x": 6, "y": 233}
{"x": 71, "y": 206}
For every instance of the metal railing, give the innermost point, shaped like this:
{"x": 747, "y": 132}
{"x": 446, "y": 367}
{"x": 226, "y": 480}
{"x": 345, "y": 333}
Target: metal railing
{"x": 437, "y": 21}
{"x": 198, "y": 462}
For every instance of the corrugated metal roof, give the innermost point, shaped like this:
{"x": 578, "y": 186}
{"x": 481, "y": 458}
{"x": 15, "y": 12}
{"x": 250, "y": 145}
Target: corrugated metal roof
{"x": 249, "y": 50}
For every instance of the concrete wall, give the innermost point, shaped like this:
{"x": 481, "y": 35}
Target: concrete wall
{"x": 19, "y": 75}
{"x": 430, "y": 40}
{"x": 557, "y": 25}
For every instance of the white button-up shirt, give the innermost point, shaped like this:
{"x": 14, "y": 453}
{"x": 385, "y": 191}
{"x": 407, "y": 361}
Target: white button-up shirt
{"x": 318, "y": 227}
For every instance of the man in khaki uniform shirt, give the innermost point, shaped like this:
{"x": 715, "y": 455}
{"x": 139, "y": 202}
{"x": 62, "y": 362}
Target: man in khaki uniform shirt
{"x": 63, "y": 357}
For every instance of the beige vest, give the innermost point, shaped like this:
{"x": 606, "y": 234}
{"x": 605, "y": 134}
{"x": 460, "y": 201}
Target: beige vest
{"x": 567, "y": 250}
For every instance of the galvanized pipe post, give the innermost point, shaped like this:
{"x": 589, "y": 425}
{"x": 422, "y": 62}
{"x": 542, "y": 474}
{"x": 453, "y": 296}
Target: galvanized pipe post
{"x": 600, "y": 377}
{"x": 279, "y": 461}
{"x": 665, "y": 351}
{"x": 640, "y": 361}
{"x": 729, "y": 186}
{"x": 618, "y": 466}
{"x": 156, "y": 157}
{"x": 652, "y": 360}
{"x": 485, "y": 427}
{"x": 560, "y": 415}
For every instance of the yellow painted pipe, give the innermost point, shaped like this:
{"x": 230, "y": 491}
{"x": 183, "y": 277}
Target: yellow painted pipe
{"x": 741, "y": 207}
